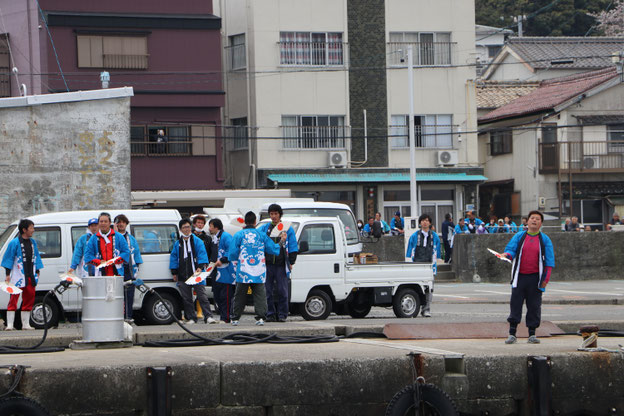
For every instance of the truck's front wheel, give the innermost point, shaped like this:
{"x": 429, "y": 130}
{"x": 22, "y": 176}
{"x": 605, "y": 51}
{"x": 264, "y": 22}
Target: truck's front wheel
{"x": 406, "y": 303}
{"x": 317, "y": 306}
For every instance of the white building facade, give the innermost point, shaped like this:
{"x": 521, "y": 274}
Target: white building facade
{"x": 302, "y": 77}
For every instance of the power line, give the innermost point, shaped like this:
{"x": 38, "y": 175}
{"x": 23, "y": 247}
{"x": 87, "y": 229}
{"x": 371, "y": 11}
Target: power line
{"x": 45, "y": 23}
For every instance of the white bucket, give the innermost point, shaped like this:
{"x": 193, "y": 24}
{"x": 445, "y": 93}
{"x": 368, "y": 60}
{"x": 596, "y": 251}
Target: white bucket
{"x": 102, "y": 309}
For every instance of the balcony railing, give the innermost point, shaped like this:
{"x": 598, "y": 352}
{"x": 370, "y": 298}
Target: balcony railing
{"x": 577, "y": 157}
{"x": 312, "y": 53}
{"x": 314, "y": 137}
{"x": 428, "y": 137}
{"x": 172, "y": 146}
{"x": 424, "y": 53}
{"x": 125, "y": 61}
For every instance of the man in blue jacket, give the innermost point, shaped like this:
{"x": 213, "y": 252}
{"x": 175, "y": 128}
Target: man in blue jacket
{"x": 131, "y": 269}
{"x": 107, "y": 245}
{"x": 533, "y": 260}
{"x": 22, "y": 263}
{"x": 224, "y": 280}
{"x": 188, "y": 256}
{"x": 249, "y": 248}
{"x": 278, "y": 267}
{"x": 424, "y": 247}
{"x": 78, "y": 264}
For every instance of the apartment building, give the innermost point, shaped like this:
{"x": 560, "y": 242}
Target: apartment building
{"x": 317, "y": 101}
{"x": 169, "y": 52}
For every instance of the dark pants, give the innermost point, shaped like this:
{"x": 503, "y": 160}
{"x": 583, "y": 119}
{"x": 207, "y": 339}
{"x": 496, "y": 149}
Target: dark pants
{"x": 224, "y": 298}
{"x": 128, "y": 298}
{"x": 186, "y": 291}
{"x": 448, "y": 251}
{"x": 526, "y": 290}
{"x": 276, "y": 277}
{"x": 259, "y": 299}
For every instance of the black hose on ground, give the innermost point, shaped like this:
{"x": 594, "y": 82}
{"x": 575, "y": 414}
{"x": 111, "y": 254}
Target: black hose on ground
{"x": 233, "y": 339}
{"x": 7, "y": 349}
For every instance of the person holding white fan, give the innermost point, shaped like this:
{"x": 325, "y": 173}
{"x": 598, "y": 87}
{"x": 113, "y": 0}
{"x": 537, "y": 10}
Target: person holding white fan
{"x": 22, "y": 262}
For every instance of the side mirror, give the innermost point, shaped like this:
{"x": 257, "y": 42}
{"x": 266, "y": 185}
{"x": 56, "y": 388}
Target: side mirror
{"x": 304, "y": 247}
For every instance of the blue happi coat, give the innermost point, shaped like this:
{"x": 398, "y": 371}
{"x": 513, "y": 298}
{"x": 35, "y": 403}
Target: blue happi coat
{"x": 249, "y": 246}
{"x": 13, "y": 260}
{"x": 120, "y": 250}
{"x": 78, "y": 264}
{"x": 413, "y": 242}
{"x": 290, "y": 245}
{"x": 226, "y": 273}
{"x": 135, "y": 254}
{"x": 200, "y": 256}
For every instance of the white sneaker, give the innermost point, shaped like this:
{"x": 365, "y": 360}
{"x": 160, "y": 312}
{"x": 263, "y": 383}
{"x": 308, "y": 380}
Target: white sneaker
{"x": 211, "y": 320}
{"x": 260, "y": 322}
{"x": 191, "y": 322}
{"x": 234, "y": 323}
{"x": 426, "y": 314}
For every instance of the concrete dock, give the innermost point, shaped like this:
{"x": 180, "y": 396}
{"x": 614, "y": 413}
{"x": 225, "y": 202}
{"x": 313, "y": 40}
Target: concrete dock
{"x": 355, "y": 376}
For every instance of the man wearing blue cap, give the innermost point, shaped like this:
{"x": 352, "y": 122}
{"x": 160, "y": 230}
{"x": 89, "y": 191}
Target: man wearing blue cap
{"x": 78, "y": 263}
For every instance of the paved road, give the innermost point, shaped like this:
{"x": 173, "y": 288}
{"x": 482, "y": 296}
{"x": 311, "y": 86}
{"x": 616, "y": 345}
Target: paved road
{"x": 583, "y": 292}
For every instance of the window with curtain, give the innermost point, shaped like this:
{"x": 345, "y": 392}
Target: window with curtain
{"x": 500, "y": 142}
{"x": 311, "y": 48}
{"x": 240, "y": 137}
{"x": 432, "y": 131}
{"x": 313, "y": 132}
{"x": 236, "y": 51}
{"x": 433, "y": 48}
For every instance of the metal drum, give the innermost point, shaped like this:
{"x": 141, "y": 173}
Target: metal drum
{"x": 102, "y": 309}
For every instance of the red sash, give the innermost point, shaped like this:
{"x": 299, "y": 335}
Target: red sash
{"x": 106, "y": 251}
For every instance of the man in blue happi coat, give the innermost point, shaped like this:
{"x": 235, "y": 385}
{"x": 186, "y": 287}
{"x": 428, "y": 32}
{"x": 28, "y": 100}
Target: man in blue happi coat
{"x": 278, "y": 267}
{"x": 107, "y": 245}
{"x": 188, "y": 257}
{"x": 248, "y": 248}
{"x": 224, "y": 278}
{"x": 78, "y": 264}
{"x": 131, "y": 269}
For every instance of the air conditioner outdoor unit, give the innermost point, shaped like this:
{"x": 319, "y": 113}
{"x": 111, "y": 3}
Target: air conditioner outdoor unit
{"x": 448, "y": 157}
{"x": 337, "y": 159}
{"x": 591, "y": 162}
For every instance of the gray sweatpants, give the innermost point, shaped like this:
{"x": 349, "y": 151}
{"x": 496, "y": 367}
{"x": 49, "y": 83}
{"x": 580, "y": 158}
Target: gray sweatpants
{"x": 259, "y": 299}
{"x": 186, "y": 291}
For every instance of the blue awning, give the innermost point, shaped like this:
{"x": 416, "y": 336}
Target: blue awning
{"x": 368, "y": 177}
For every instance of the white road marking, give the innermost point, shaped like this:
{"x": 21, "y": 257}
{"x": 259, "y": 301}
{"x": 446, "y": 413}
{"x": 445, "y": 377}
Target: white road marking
{"x": 451, "y": 296}
{"x": 492, "y": 291}
{"x": 588, "y": 293}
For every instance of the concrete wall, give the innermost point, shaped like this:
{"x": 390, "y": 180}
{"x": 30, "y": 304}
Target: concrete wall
{"x": 573, "y": 260}
{"x": 391, "y": 248}
{"x": 64, "y": 156}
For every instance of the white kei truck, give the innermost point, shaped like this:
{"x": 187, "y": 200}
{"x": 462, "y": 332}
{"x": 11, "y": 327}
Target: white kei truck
{"x": 323, "y": 280}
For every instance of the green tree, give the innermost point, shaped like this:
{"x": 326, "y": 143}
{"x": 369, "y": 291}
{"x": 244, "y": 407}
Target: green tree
{"x": 544, "y": 17}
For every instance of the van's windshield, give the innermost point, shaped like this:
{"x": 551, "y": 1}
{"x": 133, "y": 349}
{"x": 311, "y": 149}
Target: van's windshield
{"x": 4, "y": 237}
{"x": 345, "y": 216}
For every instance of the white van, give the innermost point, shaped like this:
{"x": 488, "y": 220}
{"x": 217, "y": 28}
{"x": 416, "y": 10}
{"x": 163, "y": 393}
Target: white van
{"x": 322, "y": 209}
{"x": 57, "y": 234}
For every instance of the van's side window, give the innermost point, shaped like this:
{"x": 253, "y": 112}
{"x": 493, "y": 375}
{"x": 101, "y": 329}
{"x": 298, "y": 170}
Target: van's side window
{"x": 48, "y": 241}
{"x": 76, "y": 233}
{"x": 317, "y": 239}
{"x": 155, "y": 239}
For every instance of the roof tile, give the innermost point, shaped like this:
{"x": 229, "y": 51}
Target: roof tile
{"x": 551, "y": 93}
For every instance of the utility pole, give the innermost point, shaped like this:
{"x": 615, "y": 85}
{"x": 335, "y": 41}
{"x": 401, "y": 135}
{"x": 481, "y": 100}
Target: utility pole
{"x": 412, "y": 140}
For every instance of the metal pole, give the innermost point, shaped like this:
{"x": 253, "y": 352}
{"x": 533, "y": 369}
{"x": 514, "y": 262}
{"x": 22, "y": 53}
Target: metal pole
{"x": 412, "y": 140}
